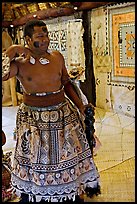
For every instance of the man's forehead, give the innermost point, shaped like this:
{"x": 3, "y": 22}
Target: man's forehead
{"x": 40, "y": 28}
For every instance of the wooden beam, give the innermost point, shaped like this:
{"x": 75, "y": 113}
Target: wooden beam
{"x": 41, "y": 14}
{"x": 6, "y": 24}
{"x": 54, "y": 12}
{"x": 91, "y": 5}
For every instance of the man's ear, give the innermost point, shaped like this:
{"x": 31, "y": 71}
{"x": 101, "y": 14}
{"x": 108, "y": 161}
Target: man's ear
{"x": 28, "y": 39}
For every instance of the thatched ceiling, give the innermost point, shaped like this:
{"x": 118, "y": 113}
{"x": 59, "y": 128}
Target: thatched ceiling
{"x": 19, "y": 13}
{"x": 12, "y": 11}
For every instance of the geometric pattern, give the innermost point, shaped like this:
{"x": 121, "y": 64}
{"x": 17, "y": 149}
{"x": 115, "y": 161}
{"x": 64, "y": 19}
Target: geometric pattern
{"x": 58, "y": 40}
{"x": 127, "y": 47}
{"x": 123, "y": 31}
{"x": 61, "y": 38}
{"x": 52, "y": 163}
{"x": 58, "y": 34}
{"x": 121, "y": 27}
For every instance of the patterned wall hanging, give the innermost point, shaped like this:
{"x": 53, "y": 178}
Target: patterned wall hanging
{"x": 66, "y": 36}
{"x": 58, "y": 35}
{"x": 121, "y": 26}
{"x": 75, "y": 46}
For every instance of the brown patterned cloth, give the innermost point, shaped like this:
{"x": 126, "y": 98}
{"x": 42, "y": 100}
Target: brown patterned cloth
{"x": 5, "y": 64}
{"x": 52, "y": 160}
{"x": 7, "y": 190}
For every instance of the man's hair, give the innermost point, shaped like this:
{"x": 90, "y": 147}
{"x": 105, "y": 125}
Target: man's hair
{"x": 29, "y": 27}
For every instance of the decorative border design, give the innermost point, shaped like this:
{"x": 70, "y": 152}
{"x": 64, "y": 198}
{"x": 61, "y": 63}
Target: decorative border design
{"x": 120, "y": 43}
{"x": 116, "y": 77}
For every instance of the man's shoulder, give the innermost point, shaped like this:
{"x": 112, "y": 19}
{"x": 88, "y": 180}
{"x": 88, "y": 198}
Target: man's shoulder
{"x": 56, "y": 53}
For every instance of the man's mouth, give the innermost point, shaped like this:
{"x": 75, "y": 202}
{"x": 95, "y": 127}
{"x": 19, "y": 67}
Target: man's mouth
{"x": 38, "y": 44}
{"x": 43, "y": 44}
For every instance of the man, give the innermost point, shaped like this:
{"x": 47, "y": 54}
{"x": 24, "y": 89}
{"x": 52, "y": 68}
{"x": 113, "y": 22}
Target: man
{"x": 52, "y": 160}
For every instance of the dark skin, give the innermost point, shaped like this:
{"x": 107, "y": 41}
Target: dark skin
{"x": 3, "y": 138}
{"x": 40, "y": 78}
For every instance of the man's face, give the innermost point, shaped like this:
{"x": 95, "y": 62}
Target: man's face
{"x": 40, "y": 39}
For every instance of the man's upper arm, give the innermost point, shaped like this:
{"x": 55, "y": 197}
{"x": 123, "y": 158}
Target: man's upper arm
{"x": 65, "y": 76}
{"x": 13, "y": 71}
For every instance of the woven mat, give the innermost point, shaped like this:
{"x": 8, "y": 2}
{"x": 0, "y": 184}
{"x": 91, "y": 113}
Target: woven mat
{"x": 117, "y": 135}
{"x": 115, "y": 150}
{"x": 117, "y": 183}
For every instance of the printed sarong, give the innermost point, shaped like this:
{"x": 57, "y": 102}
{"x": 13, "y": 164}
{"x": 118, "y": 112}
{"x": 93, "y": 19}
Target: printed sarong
{"x": 52, "y": 158}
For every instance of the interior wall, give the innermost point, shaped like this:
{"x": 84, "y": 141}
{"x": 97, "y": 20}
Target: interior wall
{"x": 112, "y": 51}
{"x": 113, "y": 45}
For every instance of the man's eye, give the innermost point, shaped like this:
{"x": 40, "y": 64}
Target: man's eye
{"x": 45, "y": 35}
{"x": 44, "y": 29}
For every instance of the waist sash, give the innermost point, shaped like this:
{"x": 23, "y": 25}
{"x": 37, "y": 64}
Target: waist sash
{"x": 44, "y": 100}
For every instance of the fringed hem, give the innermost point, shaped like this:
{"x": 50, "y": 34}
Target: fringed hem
{"x": 37, "y": 198}
{"x": 59, "y": 193}
{"x": 89, "y": 191}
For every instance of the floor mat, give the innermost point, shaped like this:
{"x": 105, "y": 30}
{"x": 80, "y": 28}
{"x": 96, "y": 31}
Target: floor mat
{"x": 117, "y": 183}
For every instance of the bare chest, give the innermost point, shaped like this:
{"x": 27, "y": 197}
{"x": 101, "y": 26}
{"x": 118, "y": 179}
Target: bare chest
{"x": 36, "y": 72}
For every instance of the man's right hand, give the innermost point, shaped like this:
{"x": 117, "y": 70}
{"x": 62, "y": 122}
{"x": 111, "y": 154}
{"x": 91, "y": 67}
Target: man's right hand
{"x": 15, "y": 50}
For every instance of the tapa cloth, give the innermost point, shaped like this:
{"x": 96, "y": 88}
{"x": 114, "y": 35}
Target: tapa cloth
{"x": 52, "y": 157}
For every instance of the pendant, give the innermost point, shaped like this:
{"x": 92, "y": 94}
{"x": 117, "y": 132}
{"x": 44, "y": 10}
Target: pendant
{"x": 32, "y": 60}
{"x": 43, "y": 61}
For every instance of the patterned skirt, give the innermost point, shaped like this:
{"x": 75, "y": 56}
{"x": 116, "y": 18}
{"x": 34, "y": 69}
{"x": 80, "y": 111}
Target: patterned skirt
{"x": 52, "y": 157}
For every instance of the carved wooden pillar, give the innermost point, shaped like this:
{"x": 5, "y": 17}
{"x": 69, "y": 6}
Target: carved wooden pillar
{"x": 89, "y": 123}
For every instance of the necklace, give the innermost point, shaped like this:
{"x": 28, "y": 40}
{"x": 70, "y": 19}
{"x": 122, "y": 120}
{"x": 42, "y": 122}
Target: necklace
{"x": 41, "y": 60}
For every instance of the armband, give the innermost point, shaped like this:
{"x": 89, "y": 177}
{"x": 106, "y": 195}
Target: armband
{"x": 5, "y": 64}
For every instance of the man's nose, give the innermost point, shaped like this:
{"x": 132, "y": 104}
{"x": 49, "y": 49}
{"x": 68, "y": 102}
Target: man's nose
{"x": 45, "y": 39}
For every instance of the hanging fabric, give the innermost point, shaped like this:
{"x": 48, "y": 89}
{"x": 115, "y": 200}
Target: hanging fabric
{"x": 76, "y": 56}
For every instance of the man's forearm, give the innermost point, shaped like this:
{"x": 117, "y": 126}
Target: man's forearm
{"x": 71, "y": 93}
{"x": 12, "y": 51}
{"x": 7, "y": 58}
